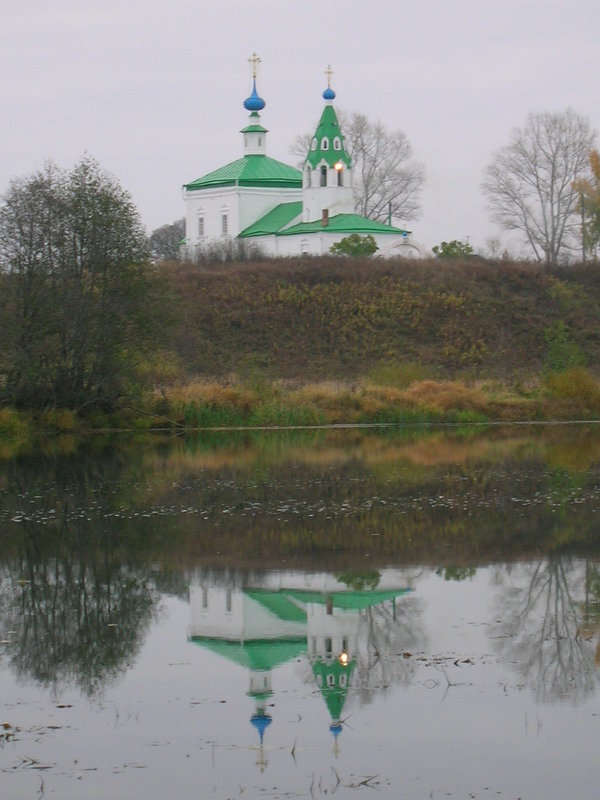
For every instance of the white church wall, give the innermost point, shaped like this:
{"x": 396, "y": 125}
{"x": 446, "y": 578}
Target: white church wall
{"x": 211, "y": 206}
{"x": 228, "y": 613}
{"x": 256, "y": 202}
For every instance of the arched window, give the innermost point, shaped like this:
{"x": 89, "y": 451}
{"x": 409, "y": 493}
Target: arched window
{"x": 337, "y": 143}
{"x": 313, "y": 144}
{"x": 340, "y": 177}
{"x": 324, "y": 143}
{"x": 323, "y": 175}
{"x": 260, "y": 141}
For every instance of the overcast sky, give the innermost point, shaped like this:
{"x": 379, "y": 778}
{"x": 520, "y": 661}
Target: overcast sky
{"x": 154, "y": 88}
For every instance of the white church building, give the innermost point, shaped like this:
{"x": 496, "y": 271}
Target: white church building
{"x": 283, "y": 210}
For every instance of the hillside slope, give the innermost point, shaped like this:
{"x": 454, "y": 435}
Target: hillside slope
{"x": 333, "y": 318}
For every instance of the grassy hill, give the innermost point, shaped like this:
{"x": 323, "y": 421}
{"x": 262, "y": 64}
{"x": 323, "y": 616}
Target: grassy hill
{"x": 341, "y": 319}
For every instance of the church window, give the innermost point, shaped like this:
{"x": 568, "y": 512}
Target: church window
{"x": 224, "y": 224}
{"x": 337, "y": 143}
{"x": 204, "y": 597}
{"x": 323, "y": 175}
{"x": 324, "y": 143}
{"x": 340, "y": 177}
{"x": 304, "y": 246}
{"x": 328, "y": 647}
{"x": 308, "y": 172}
{"x": 330, "y": 680}
{"x": 200, "y": 226}
{"x": 260, "y": 141}
{"x": 313, "y": 144}
{"x": 343, "y": 680}
{"x": 228, "y": 601}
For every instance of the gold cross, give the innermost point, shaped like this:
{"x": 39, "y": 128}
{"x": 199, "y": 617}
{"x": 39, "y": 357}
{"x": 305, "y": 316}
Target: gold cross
{"x": 329, "y": 73}
{"x": 254, "y": 61}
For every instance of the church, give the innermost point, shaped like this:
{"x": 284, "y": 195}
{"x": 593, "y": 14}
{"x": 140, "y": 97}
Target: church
{"x": 282, "y": 210}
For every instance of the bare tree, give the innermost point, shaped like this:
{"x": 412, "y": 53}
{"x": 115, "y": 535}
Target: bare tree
{"x": 529, "y": 184}
{"x": 386, "y": 179}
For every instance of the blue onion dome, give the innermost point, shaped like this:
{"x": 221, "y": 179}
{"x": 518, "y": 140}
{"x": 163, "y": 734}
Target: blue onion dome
{"x": 329, "y": 94}
{"x": 261, "y": 722}
{"x": 254, "y": 102}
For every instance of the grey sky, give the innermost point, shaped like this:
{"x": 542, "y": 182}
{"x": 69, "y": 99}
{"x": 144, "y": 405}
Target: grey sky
{"x": 154, "y": 88}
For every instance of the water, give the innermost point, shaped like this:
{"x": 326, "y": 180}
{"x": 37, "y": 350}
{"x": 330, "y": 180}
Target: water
{"x": 411, "y": 614}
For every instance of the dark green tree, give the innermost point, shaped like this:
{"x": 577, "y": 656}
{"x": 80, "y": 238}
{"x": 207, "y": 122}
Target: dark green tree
{"x": 453, "y": 249}
{"x": 166, "y": 241}
{"x": 355, "y": 245}
{"x": 75, "y": 287}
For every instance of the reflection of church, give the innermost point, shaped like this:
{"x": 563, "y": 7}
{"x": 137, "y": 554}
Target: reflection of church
{"x": 283, "y": 617}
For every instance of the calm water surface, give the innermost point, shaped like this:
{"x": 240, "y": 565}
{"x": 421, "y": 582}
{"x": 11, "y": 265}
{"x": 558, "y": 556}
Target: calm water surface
{"x": 399, "y": 614}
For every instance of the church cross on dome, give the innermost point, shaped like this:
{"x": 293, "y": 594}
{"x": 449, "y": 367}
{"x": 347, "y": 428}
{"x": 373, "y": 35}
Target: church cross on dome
{"x": 254, "y": 61}
{"x": 329, "y": 73}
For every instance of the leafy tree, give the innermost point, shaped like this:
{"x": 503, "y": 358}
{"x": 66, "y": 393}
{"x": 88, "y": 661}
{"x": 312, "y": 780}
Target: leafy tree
{"x": 453, "y": 249}
{"x": 166, "y": 240}
{"x": 75, "y": 284}
{"x": 387, "y": 180}
{"x": 530, "y": 182}
{"x": 355, "y": 245}
{"x": 589, "y": 205}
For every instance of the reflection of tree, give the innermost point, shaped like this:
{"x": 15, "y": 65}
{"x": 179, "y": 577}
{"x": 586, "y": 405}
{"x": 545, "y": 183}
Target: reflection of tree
{"x": 388, "y": 632}
{"x": 74, "y": 611}
{"x": 540, "y": 626}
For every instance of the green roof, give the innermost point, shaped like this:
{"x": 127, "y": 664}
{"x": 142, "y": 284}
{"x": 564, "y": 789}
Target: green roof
{"x": 254, "y": 129}
{"x": 350, "y": 601}
{"x": 328, "y": 130}
{"x": 257, "y": 654}
{"x": 279, "y": 604}
{"x": 334, "y": 691}
{"x": 251, "y": 170}
{"x": 274, "y": 220}
{"x": 343, "y": 223}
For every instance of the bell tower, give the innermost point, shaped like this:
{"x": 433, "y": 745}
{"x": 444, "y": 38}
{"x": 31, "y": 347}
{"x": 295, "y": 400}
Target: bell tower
{"x": 327, "y": 170}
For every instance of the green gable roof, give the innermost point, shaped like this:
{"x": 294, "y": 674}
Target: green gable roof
{"x": 251, "y": 170}
{"x": 274, "y": 220}
{"x": 328, "y": 130}
{"x": 343, "y": 224}
{"x": 279, "y": 604}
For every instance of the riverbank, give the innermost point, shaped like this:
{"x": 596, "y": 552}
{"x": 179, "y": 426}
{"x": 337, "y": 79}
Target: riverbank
{"x": 395, "y": 398}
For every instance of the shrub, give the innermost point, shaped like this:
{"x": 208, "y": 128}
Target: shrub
{"x": 576, "y": 387}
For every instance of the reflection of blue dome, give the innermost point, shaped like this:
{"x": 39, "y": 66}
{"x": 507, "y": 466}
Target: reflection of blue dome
{"x": 335, "y": 728}
{"x": 329, "y": 94}
{"x": 254, "y": 102}
{"x": 261, "y": 722}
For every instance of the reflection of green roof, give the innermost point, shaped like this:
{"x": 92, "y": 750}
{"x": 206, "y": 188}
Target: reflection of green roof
{"x": 279, "y": 604}
{"x": 255, "y": 655}
{"x": 252, "y": 170}
{"x": 351, "y": 601}
{"x": 342, "y": 223}
{"x": 334, "y": 691}
{"x": 274, "y": 220}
